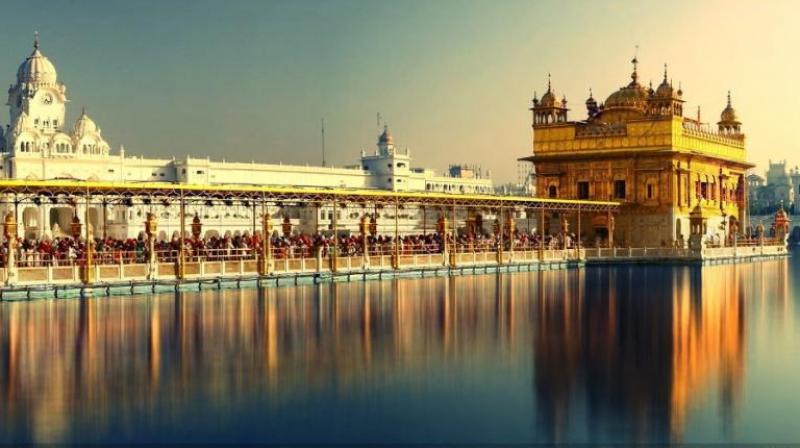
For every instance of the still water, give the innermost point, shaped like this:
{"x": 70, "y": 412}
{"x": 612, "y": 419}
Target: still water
{"x": 597, "y": 355}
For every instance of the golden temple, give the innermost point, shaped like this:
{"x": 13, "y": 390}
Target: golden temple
{"x": 638, "y": 148}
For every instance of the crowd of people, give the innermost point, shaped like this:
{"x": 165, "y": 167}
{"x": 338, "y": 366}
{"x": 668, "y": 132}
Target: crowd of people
{"x": 65, "y": 250}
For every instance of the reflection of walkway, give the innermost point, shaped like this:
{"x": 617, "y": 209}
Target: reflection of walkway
{"x": 626, "y": 346}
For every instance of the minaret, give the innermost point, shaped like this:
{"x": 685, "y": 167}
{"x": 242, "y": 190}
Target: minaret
{"x": 385, "y": 142}
{"x": 591, "y": 105}
{"x": 549, "y": 109}
{"x": 729, "y": 122}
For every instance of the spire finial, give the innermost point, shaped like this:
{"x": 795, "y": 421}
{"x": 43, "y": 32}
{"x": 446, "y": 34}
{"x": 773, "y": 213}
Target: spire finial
{"x": 35, "y": 40}
{"x": 548, "y": 82}
{"x": 729, "y": 98}
{"x": 635, "y": 62}
{"x": 591, "y": 95}
{"x": 83, "y": 111}
{"x": 665, "y": 72}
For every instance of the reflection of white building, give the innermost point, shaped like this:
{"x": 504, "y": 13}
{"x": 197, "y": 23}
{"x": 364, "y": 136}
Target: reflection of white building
{"x": 38, "y": 145}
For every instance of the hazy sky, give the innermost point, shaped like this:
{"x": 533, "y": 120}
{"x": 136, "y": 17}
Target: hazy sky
{"x": 246, "y": 80}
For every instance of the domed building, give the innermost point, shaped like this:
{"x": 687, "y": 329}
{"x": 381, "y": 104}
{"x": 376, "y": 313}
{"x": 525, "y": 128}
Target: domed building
{"x": 37, "y": 110}
{"x": 38, "y": 145}
{"x": 638, "y": 148}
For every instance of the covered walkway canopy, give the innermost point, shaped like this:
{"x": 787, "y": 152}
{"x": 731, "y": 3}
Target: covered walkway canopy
{"x": 128, "y": 193}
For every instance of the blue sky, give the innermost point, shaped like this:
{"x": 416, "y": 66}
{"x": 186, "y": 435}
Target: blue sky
{"x": 246, "y": 80}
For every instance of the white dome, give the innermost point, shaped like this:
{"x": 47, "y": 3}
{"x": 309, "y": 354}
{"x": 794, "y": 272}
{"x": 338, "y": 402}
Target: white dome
{"x": 85, "y": 125}
{"x": 37, "y": 68}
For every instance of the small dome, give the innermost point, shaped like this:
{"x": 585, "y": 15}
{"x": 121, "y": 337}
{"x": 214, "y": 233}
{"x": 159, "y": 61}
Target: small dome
{"x": 386, "y": 137}
{"x": 549, "y": 99}
{"x": 728, "y": 114}
{"x": 37, "y": 68}
{"x": 85, "y": 125}
{"x": 633, "y": 95}
{"x": 665, "y": 90}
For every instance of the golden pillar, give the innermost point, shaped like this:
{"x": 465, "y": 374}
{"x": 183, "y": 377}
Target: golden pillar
{"x": 511, "y": 225}
{"x": 333, "y": 253}
{"x": 363, "y": 229}
{"x": 541, "y": 234}
{"x": 396, "y": 255}
{"x": 181, "y": 240}
{"x": 266, "y": 244}
{"x": 441, "y": 228}
{"x": 150, "y": 229}
{"x": 499, "y": 235}
{"x": 578, "y": 235}
{"x": 454, "y": 249}
{"x": 197, "y": 227}
{"x": 10, "y": 232}
{"x": 88, "y": 267}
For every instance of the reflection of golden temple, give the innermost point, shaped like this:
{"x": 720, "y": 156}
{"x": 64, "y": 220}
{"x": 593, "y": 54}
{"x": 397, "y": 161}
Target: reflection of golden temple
{"x": 644, "y": 355}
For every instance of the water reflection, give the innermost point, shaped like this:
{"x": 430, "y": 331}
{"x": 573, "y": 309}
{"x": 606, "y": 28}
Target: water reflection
{"x": 597, "y": 354}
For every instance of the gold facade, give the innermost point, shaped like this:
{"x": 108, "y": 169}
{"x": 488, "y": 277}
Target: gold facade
{"x": 639, "y": 149}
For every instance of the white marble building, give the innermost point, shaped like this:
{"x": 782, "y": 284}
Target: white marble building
{"x": 39, "y": 145}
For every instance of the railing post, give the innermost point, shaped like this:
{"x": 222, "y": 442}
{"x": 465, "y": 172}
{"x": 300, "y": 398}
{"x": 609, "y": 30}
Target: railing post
{"x": 10, "y": 231}
{"x": 150, "y": 228}
{"x": 181, "y": 271}
{"x": 454, "y": 249}
{"x": 86, "y": 276}
{"x": 511, "y": 229}
{"x": 266, "y": 245}
{"x": 541, "y": 234}
{"x": 578, "y": 235}
{"x": 363, "y": 230}
{"x": 441, "y": 229}
{"x": 500, "y": 237}
{"x": 396, "y": 254}
{"x": 333, "y": 253}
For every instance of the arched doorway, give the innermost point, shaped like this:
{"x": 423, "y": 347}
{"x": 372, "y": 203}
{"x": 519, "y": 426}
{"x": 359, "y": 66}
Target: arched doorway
{"x": 60, "y": 220}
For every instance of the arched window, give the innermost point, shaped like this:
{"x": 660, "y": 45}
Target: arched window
{"x": 552, "y": 191}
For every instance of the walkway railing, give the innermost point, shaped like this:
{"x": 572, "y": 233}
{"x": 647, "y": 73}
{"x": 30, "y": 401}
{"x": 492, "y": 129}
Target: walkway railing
{"x": 666, "y": 253}
{"x": 128, "y": 266}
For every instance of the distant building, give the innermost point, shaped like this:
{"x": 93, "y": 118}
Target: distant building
{"x": 781, "y": 187}
{"x": 638, "y": 148}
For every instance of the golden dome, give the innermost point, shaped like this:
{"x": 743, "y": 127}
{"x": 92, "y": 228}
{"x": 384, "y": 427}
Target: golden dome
{"x": 665, "y": 89}
{"x": 549, "y": 99}
{"x": 729, "y": 113}
{"x": 632, "y": 96}
{"x": 386, "y": 137}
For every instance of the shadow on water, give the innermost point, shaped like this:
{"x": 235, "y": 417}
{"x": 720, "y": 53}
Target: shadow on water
{"x": 600, "y": 354}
